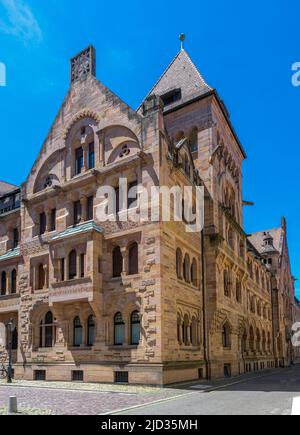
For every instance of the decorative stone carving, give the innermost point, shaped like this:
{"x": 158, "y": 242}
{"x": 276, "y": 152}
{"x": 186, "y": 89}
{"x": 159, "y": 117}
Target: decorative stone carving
{"x": 83, "y": 64}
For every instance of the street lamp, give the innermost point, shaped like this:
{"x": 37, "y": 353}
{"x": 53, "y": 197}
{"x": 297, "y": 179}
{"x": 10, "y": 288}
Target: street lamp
{"x": 10, "y": 329}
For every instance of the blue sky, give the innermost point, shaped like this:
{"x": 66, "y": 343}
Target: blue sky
{"x": 244, "y": 49}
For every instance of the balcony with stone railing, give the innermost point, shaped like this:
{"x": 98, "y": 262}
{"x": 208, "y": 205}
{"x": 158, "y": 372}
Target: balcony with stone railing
{"x": 74, "y": 269}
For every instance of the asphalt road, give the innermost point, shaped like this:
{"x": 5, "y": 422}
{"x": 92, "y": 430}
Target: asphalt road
{"x": 274, "y": 394}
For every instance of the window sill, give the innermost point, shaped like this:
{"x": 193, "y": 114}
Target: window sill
{"x": 123, "y": 347}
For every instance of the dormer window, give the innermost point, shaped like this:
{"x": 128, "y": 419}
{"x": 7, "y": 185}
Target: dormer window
{"x": 171, "y": 97}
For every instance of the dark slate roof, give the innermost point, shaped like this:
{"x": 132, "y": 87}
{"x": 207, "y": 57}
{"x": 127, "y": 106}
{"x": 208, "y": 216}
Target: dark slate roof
{"x": 6, "y": 187}
{"x": 181, "y": 74}
{"x": 257, "y": 240}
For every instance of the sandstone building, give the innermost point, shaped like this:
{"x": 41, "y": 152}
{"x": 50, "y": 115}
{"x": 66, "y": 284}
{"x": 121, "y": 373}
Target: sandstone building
{"x": 139, "y": 302}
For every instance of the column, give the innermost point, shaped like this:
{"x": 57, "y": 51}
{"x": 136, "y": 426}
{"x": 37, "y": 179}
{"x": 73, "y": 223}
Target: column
{"x": 125, "y": 261}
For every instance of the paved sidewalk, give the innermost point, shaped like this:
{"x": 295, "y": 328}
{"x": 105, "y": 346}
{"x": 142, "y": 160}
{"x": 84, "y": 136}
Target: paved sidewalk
{"x": 67, "y": 398}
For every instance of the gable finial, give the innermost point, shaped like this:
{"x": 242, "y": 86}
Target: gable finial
{"x": 182, "y": 39}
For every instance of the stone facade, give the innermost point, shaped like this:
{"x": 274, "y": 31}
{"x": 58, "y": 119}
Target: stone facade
{"x": 133, "y": 301}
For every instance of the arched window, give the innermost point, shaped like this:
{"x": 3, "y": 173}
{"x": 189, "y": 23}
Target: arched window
{"x": 179, "y": 263}
{"x": 258, "y": 341}
{"x": 47, "y": 331}
{"x": 244, "y": 342}
{"x": 73, "y": 264}
{"x": 77, "y": 332}
{"x": 119, "y": 329}
{"x": 186, "y": 268}
{"x": 231, "y": 238}
{"x": 269, "y": 342}
{"x": 14, "y": 282}
{"x": 135, "y": 328}
{"x": 117, "y": 262}
{"x": 133, "y": 259}
{"x": 264, "y": 342}
{"x": 226, "y": 284}
{"x": 179, "y": 328}
{"x": 226, "y": 336}
{"x": 41, "y": 277}
{"x": 238, "y": 291}
{"x": 91, "y": 331}
{"x": 194, "y": 140}
{"x": 186, "y": 326}
{"x": 194, "y": 332}
{"x": 251, "y": 339}
{"x": 194, "y": 277}
{"x": 3, "y": 283}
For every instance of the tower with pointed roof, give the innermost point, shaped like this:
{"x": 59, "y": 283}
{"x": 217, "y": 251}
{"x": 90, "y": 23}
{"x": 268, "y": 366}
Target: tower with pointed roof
{"x": 130, "y": 300}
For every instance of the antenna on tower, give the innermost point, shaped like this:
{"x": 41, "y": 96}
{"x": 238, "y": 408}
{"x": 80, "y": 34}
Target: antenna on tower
{"x": 182, "y": 39}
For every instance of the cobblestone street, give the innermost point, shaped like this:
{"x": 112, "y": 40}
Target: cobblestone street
{"x": 63, "y": 401}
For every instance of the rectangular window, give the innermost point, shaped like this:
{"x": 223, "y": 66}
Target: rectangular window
{"x": 62, "y": 269}
{"x": 90, "y": 208}
{"x": 43, "y": 223}
{"x": 15, "y": 238}
{"x": 132, "y": 188}
{"x": 78, "y": 161}
{"x": 77, "y": 376}
{"x": 40, "y": 375}
{"x": 121, "y": 378}
{"x": 77, "y": 212}
{"x": 53, "y": 220}
{"x": 82, "y": 266}
{"x": 91, "y": 159}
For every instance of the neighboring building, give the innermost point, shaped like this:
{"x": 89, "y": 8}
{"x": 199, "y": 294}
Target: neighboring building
{"x": 139, "y": 302}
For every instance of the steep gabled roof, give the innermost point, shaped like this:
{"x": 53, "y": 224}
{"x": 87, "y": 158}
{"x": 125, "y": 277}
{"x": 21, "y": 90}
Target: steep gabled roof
{"x": 257, "y": 239}
{"x": 181, "y": 74}
{"x": 6, "y": 187}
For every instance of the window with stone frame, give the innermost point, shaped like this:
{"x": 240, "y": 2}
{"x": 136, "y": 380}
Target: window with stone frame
{"x": 43, "y": 223}
{"x": 41, "y": 277}
{"x": 78, "y": 332}
{"x": 53, "y": 220}
{"x": 135, "y": 323}
{"x": 77, "y": 212}
{"x": 227, "y": 284}
{"x": 90, "y": 208}
{"x": 72, "y": 265}
{"x": 194, "y": 274}
{"x": 3, "y": 283}
{"x": 132, "y": 194}
{"x": 47, "y": 331}
{"x": 119, "y": 330}
{"x": 13, "y": 282}
{"x": 117, "y": 262}
{"x": 133, "y": 259}
{"x": 226, "y": 336}
{"x": 91, "y": 156}
{"x": 79, "y": 161}
{"x": 186, "y": 268}
{"x": 91, "y": 331}
{"x": 15, "y": 238}
{"x": 179, "y": 263}
{"x": 238, "y": 291}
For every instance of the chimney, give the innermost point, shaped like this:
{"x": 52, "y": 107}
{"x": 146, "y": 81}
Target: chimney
{"x": 83, "y": 65}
